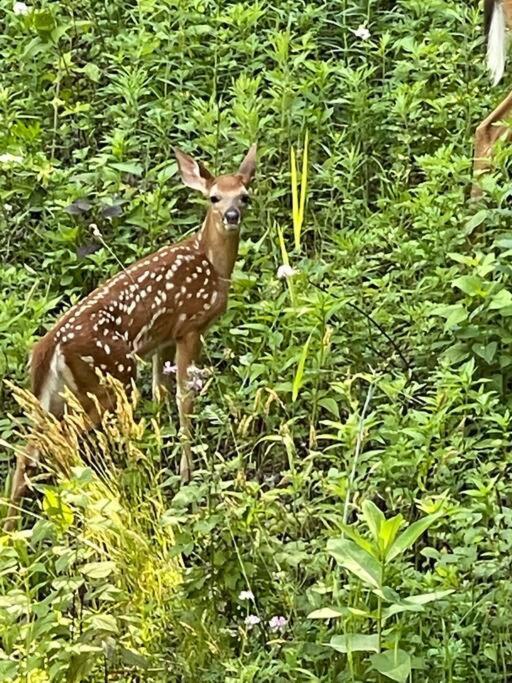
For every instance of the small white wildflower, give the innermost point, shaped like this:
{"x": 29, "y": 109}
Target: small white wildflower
{"x": 7, "y": 159}
{"x": 20, "y": 8}
{"x": 96, "y": 231}
{"x": 7, "y": 207}
{"x": 285, "y": 271}
{"x": 278, "y": 623}
{"x": 252, "y": 620}
{"x": 362, "y": 32}
{"x": 246, "y": 595}
{"x": 169, "y": 368}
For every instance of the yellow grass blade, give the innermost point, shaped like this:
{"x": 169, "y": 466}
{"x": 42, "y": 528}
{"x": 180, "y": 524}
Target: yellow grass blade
{"x": 303, "y": 184}
{"x": 295, "y": 198}
{"x": 282, "y": 246}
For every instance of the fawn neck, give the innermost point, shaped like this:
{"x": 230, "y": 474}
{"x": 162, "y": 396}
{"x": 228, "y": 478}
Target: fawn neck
{"x": 219, "y": 245}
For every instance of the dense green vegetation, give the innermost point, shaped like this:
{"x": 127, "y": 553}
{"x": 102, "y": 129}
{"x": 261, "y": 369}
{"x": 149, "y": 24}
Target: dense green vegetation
{"x": 353, "y": 438}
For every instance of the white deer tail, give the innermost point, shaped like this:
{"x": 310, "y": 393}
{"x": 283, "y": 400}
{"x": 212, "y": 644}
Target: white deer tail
{"x": 496, "y": 27}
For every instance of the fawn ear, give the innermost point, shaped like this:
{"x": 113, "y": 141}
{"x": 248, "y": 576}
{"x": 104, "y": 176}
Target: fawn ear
{"x": 193, "y": 174}
{"x": 248, "y": 166}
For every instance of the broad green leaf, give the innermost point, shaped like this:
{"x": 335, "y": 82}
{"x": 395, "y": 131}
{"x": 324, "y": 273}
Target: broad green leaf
{"x": 490, "y": 651}
{"x": 98, "y": 570}
{"x": 505, "y": 242}
{"x": 502, "y": 299}
{"x": 414, "y": 603}
{"x": 56, "y": 509}
{"x": 355, "y": 560}
{"x": 354, "y": 642}
{"x": 388, "y": 531}
{"x": 394, "y": 664}
{"x": 411, "y": 535}
{"x": 331, "y": 405}
{"x": 486, "y": 351}
{"x": 454, "y": 314}
{"x": 103, "y": 622}
{"x": 325, "y": 613}
{"x": 475, "y": 221}
{"x": 424, "y": 598}
{"x": 473, "y": 285}
{"x": 127, "y": 167}
{"x": 92, "y": 71}
{"x": 364, "y": 543}
{"x": 373, "y": 517}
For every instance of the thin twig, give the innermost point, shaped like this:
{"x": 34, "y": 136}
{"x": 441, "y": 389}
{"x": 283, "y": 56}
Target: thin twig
{"x": 374, "y": 322}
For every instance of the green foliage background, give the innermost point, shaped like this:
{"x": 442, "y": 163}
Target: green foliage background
{"x": 93, "y": 97}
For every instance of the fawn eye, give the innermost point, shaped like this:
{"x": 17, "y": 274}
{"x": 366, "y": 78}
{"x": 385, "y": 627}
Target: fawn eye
{"x": 245, "y": 199}
{"x": 214, "y": 199}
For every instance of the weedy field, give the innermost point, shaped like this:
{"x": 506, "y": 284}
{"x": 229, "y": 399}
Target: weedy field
{"x": 350, "y": 518}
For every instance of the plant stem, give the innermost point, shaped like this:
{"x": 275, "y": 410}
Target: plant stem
{"x": 357, "y": 453}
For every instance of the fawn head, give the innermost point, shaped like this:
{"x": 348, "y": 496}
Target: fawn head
{"x": 228, "y": 194}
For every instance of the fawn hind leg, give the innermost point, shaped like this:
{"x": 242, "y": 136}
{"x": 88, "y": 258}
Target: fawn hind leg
{"x": 28, "y": 460}
{"x": 76, "y": 375}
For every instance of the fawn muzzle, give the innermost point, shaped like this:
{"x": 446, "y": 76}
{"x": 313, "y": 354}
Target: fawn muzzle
{"x": 232, "y": 217}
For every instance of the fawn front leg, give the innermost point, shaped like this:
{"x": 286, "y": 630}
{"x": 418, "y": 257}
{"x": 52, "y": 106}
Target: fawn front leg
{"x": 187, "y": 351}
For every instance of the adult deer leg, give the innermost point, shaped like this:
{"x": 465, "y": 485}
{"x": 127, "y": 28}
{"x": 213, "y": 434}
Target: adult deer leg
{"x": 487, "y": 133}
{"x": 187, "y": 352}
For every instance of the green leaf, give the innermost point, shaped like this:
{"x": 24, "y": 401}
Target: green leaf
{"x": 331, "y": 405}
{"x": 325, "y": 613}
{"x": 373, "y": 517}
{"x": 56, "y": 509}
{"x": 297, "y": 382}
{"x": 394, "y": 664}
{"x": 388, "y": 531}
{"x": 98, "y": 570}
{"x": 470, "y": 284}
{"x": 414, "y": 603}
{"x": 502, "y": 299}
{"x": 362, "y": 542}
{"x": 411, "y": 534}
{"x": 43, "y": 21}
{"x": 92, "y": 71}
{"x": 354, "y": 642}
{"x": 103, "y": 622}
{"x": 355, "y": 560}
{"x": 486, "y": 351}
{"x": 454, "y": 314}
{"x": 127, "y": 167}
{"x": 475, "y": 221}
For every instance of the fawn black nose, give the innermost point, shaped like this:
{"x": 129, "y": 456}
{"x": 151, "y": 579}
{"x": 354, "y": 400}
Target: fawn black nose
{"x": 232, "y": 216}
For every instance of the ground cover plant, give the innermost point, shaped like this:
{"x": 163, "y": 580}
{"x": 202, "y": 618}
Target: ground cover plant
{"x": 350, "y": 518}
